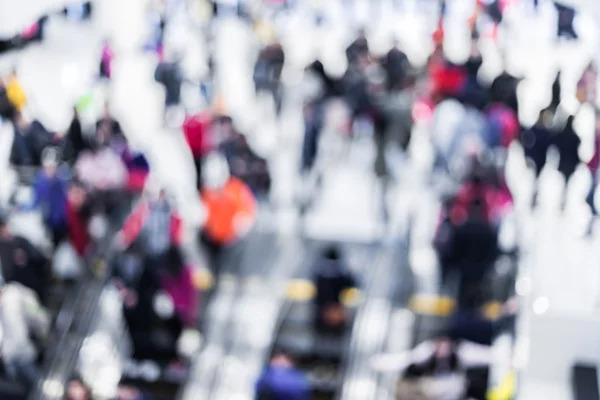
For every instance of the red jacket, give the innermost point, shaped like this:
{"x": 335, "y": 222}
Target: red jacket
{"x": 197, "y": 130}
{"x": 77, "y": 230}
{"x": 136, "y": 220}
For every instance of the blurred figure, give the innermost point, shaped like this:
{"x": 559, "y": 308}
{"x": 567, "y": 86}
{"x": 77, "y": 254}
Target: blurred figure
{"x": 50, "y": 195}
{"x": 30, "y": 140}
{"x": 267, "y": 72}
{"x": 79, "y": 213}
{"x": 106, "y": 59}
{"x": 21, "y": 318}
{"x": 101, "y": 168}
{"x": 160, "y": 308}
{"x": 282, "y": 381}
{"x": 358, "y": 49}
{"x": 243, "y": 162}
{"x": 170, "y": 75}
{"x": 77, "y": 390}
{"x": 197, "y": 131}
{"x": 231, "y": 207}
{"x": 7, "y": 110}
{"x": 131, "y": 393}
{"x": 594, "y": 167}
{"x": 536, "y": 141}
{"x": 75, "y": 142}
{"x": 469, "y": 323}
{"x": 467, "y": 242}
{"x": 567, "y": 142}
{"x": 394, "y": 108}
{"x": 14, "y": 91}
{"x": 153, "y": 227}
{"x": 331, "y": 279}
{"x": 21, "y": 261}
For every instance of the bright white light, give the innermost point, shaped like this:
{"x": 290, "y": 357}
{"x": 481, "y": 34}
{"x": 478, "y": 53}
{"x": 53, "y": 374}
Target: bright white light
{"x": 541, "y": 305}
{"x": 523, "y": 286}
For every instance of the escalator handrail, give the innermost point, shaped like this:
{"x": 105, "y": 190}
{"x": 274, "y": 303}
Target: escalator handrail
{"x": 353, "y": 361}
{"x": 191, "y": 379}
{"x": 90, "y": 284}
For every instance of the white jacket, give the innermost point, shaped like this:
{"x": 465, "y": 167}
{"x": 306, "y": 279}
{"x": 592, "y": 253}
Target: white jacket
{"x": 21, "y": 315}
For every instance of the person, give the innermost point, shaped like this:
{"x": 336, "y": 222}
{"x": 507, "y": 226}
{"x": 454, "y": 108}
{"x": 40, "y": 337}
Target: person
{"x": 21, "y": 318}
{"x": 101, "y": 168}
{"x": 153, "y": 226}
{"x": 468, "y": 244}
{"x": 77, "y": 390}
{"x": 282, "y": 381}
{"x": 197, "y": 130}
{"x": 243, "y": 162}
{"x": 567, "y": 141}
{"x": 468, "y": 322}
{"x": 394, "y": 108}
{"x": 536, "y": 141}
{"x": 30, "y": 140}
{"x": 50, "y": 195}
{"x": 441, "y": 359}
{"x": 160, "y": 309}
{"x": 267, "y": 72}
{"x": 132, "y": 393}
{"x": 106, "y": 58}
{"x": 21, "y": 261}
{"x": 109, "y": 125}
{"x": 170, "y": 75}
{"x": 79, "y": 213}
{"x": 331, "y": 279}
{"x": 74, "y": 142}
{"x": 231, "y": 208}
{"x": 14, "y": 91}
{"x": 594, "y": 167}
{"x": 7, "y": 110}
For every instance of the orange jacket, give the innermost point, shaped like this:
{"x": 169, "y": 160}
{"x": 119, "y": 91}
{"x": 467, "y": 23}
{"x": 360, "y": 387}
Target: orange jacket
{"x": 223, "y": 206}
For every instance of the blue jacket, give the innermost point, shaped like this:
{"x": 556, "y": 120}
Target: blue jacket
{"x": 282, "y": 383}
{"x": 50, "y": 195}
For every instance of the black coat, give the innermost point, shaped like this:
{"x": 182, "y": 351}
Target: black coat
{"x": 22, "y": 262}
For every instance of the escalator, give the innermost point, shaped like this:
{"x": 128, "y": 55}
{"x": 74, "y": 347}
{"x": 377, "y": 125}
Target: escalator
{"x": 73, "y": 321}
{"x": 385, "y": 290}
{"x": 322, "y": 357}
{"x": 242, "y": 268}
{"x": 164, "y": 379}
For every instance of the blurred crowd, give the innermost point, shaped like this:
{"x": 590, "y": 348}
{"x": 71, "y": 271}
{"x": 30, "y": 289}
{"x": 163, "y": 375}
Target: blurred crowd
{"x": 89, "y": 187}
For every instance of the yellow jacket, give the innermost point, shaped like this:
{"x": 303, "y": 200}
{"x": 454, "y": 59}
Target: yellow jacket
{"x": 16, "y": 94}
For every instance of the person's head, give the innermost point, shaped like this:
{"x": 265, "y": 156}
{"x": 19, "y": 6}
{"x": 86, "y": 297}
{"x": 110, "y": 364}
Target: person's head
{"x": 77, "y": 390}
{"x": 215, "y": 172}
{"x": 50, "y": 160}
{"x": 77, "y": 194}
{"x": 332, "y": 253}
{"x": 444, "y": 348}
{"x": 281, "y": 359}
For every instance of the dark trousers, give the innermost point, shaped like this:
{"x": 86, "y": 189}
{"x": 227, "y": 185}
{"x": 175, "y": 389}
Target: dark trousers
{"x": 214, "y": 252}
{"x": 198, "y": 168}
{"x": 591, "y": 196}
{"x": 58, "y": 234}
